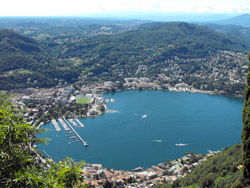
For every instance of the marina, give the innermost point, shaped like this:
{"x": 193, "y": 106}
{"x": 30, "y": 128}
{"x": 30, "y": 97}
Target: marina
{"x": 75, "y": 141}
{"x": 73, "y": 122}
{"x": 64, "y": 124}
{"x": 72, "y": 134}
{"x": 68, "y": 132}
{"x": 79, "y": 122}
{"x": 80, "y": 138}
{"x": 56, "y": 125}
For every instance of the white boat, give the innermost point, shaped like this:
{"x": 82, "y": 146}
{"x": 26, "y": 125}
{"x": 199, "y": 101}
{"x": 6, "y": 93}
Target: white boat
{"x": 180, "y": 144}
{"x": 144, "y": 116}
{"x": 112, "y": 100}
{"x": 157, "y": 140}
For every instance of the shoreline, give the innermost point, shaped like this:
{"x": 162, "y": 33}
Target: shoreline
{"x": 116, "y": 171}
{"x": 165, "y": 172}
{"x": 171, "y": 89}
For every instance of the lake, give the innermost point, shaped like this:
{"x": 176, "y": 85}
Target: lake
{"x": 147, "y": 126}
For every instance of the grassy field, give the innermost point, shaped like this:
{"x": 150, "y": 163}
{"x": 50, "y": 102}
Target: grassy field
{"x": 83, "y": 101}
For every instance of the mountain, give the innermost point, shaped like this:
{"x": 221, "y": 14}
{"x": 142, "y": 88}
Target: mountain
{"x": 189, "y": 35}
{"x": 236, "y": 31}
{"x": 242, "y": 20}
{"x": 25, "y": 63}
{"x": 170, "y": 39}
{"x": 18, "y": 51}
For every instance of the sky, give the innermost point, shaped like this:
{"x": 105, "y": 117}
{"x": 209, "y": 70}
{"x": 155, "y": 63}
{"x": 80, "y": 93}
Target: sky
{"x": 91, "y": 7}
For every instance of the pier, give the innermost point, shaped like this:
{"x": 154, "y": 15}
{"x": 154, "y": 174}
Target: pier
{"x": 68, "y": 132}
{"x": 56, "y": 125}
{"x": 79, "y": 122}
{"x": 80, "y": 138}
{"x": 64, "y": 124}
{"x": 73, "y": 122}
{"x": 47, "y": 155}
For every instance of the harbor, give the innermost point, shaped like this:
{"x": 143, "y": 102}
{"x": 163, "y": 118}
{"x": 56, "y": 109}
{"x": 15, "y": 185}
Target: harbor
{"x": 64, "y": 125}
{"x": 79, "y": 122}
{"x": 56, "y": 125}
{"x": 80, "y": 138}
{"x": 73, "y": 122}
{"x": 71, "y": 132}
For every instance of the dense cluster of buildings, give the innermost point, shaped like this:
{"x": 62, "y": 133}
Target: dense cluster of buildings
{"x": 226, "y": 65}
{"x": 167, "y": 172}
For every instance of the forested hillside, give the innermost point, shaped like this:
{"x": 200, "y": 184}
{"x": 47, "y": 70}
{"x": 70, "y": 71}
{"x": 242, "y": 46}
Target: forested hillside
{"x": 200, "y": 56}
{"x": 165, "y": 40}
{"x": 18, "y": 51}
{"x": 25, "y": 63}
{"x": 221, "y": 171}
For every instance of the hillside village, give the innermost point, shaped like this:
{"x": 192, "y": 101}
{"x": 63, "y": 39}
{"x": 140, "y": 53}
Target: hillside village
{"x": 200, "y": 73}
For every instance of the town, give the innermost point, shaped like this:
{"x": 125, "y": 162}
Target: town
{"x": 43, "y": 105}
{"x": 168, "y": 172}
{"x": 83, "y": 99}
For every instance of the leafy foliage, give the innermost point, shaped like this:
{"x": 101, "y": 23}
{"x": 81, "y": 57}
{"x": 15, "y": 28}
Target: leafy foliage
{"x": 64, "y": 174}
{"x": 246, "y": 130}
{"x": 19, "y": 162}
{"x": 15, "y": 139}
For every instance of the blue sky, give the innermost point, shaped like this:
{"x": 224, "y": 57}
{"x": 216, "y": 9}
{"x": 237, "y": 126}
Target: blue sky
{"x": 90, "y": 7}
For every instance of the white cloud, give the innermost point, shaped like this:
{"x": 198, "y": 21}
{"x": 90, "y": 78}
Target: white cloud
{"x": 70, "y": 7}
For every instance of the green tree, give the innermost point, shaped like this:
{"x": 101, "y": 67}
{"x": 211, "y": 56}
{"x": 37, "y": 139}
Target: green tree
{"x": 19, "y": 164}
{"x": 245, "y": 135}
{"x": 58, "y": 175}
{"x": 16, "y": 139}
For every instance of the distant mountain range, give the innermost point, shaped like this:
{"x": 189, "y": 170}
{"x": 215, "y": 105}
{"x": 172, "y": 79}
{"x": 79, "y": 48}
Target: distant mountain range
{"x": 236, "y": 31}
{"x": 242, "y": 20}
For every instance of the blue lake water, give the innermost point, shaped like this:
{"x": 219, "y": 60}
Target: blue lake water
{"x": 125, "y": 140}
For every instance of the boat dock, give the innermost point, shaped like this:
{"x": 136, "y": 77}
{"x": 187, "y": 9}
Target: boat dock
{"x": 68, "y": 132}
{"x": 73, "y": 122}
{"x": 47, "y": 155}
{"x": 79, "y": 122}
{"x": 64, "y": 124}
{"x": 75, "y": 141}
{"x": 84, "y": 143}
{"x": 56, "y": 125}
